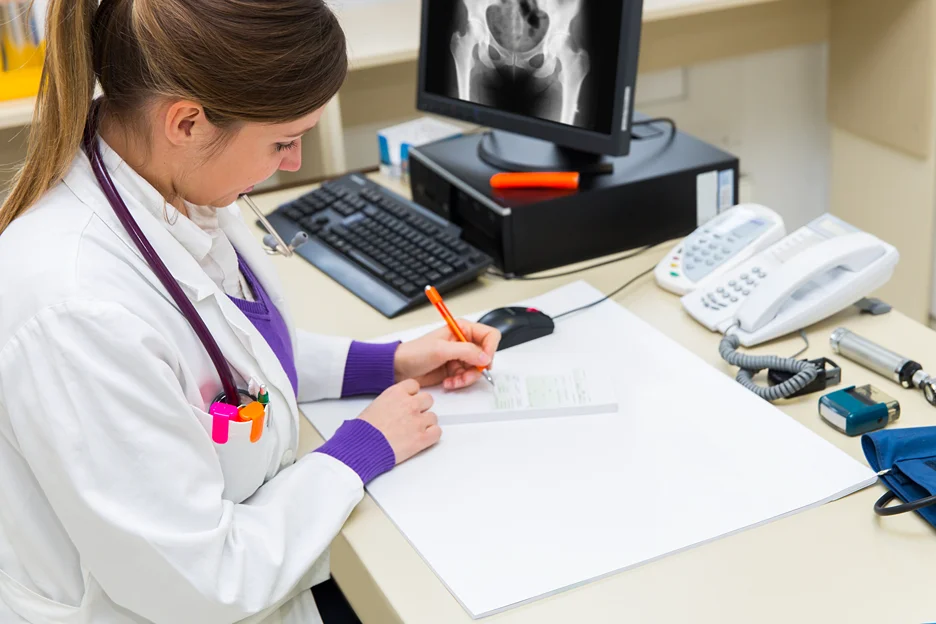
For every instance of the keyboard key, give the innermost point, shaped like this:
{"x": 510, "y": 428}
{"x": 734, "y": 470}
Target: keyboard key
{"x": 303, "y": 207}
{"x": 372, "y": 265}
{"x": 384, "y": 237}
{"x": 343, "y": 208}
{"x": 313, "y": 229}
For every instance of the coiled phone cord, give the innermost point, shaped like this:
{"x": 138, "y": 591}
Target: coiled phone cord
{"x": 750, "y": 365}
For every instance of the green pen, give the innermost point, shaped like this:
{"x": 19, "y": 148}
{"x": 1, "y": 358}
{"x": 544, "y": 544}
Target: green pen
{"x": 264, "y": 396}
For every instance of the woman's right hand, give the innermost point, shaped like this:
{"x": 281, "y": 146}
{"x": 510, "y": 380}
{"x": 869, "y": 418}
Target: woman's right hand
{"x": 402, "y": 415}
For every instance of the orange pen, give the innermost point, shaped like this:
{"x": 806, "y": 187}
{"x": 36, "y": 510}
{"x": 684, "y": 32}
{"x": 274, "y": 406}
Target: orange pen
{"x": 436, "y": 300}
{"x": 548, "y": 180}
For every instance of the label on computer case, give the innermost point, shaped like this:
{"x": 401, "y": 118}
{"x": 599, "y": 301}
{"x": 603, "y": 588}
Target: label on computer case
{"x": 726, "y": 198}
{"x": 706, "y": 196}
{"x": 627, "y": 98}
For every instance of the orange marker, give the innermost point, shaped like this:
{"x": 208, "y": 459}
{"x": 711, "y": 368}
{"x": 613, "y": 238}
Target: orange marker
{"x": 254, "y": 412}
{"x": 436, "y": 300}
{"x": 548, "y": 180}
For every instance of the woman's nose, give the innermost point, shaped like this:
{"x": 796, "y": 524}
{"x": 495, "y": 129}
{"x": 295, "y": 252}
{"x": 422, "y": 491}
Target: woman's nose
{"x": 292, "y": 161}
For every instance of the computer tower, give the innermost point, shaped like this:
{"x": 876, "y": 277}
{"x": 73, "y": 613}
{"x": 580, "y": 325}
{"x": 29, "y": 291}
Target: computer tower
{"x": 665, "y": 188}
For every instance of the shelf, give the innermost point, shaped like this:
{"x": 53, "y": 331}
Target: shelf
{"x": 16, "y": 113}
{"x": 384, "y": 32}
{"x": 658, "y": 10}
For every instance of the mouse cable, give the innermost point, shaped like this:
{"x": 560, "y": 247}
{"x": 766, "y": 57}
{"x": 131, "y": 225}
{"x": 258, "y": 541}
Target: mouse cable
{"x": 533, "y": 278}
{"x": 608, "y": 296}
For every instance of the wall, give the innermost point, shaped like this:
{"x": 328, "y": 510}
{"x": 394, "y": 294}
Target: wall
{"x": 12, "y": 151}
{"x": 767, "y": 108}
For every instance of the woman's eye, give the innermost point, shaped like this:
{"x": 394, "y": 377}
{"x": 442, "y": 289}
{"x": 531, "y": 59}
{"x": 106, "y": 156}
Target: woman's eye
{"x": 282, "y": 147}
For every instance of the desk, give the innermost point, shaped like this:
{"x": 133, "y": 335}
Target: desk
{"x": 813, "y": 566}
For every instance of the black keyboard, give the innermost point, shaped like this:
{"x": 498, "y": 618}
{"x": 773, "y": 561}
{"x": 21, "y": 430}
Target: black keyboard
{"x": 380, "y": 246}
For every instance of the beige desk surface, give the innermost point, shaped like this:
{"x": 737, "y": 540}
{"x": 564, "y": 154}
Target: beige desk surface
{"x": 836, "y": 563}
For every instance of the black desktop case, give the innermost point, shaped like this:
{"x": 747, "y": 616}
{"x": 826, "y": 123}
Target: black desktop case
{"x": 651, "y": 197}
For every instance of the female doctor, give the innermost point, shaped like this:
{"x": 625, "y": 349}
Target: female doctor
{"x": 116, "y": 505}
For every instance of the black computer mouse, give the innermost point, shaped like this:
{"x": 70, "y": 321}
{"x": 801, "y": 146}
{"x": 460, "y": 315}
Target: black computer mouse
{"x": 518, "y": 325}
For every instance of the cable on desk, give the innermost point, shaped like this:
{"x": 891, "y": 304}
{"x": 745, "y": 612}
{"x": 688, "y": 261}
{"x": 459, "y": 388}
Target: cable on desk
{"x": 804, "y": 371}
{"x": 606, "y": 297}
{"x": 655, "y": 120}
{"x": 805, "y": 338}
{"x": 532, "y": 278}
{"x": 662, "y": 150}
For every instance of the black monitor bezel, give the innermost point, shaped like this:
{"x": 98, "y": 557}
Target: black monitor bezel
{"x": 617, "y": 143}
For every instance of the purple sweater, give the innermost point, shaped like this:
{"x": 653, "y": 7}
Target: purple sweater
{"x": 368, "y": 370}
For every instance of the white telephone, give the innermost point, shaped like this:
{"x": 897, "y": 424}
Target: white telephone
{"x": 718, "y": 246}
{"x": 821, "y": 268}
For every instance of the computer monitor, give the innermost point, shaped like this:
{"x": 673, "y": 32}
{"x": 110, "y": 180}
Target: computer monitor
{"x": 555, "y": 71}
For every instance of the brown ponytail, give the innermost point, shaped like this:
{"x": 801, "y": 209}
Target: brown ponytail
{"x": 65, "y": 95}
{"x": 265, "y": 61}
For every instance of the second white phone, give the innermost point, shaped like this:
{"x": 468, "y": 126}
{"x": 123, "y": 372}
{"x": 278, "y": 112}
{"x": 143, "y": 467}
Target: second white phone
{"x": 823, "y": 267}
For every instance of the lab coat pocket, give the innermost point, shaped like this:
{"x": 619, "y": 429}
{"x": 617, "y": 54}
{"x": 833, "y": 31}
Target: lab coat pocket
{"x": 37, "y": 609}
{"x": 243, "y": 463}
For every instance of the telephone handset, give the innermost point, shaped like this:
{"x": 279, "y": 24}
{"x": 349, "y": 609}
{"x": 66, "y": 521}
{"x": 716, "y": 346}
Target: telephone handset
{"x": 811, "y": 274}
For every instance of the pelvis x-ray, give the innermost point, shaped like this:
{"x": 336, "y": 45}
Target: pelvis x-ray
{"x": 527, "y": 56}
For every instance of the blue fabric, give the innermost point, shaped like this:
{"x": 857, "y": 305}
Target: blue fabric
{"x": 910, "y": 455}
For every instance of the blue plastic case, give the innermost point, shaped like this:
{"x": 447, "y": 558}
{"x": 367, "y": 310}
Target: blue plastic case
{"x": 858, "y": 410}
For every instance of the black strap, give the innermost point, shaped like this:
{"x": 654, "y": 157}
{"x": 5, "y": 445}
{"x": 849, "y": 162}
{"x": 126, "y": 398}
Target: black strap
{"x": 881, "y": 508}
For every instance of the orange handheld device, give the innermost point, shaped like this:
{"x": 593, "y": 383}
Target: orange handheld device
{"x": 566, "y": 180}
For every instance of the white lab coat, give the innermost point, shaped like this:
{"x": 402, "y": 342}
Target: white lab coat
{"x": 115, "y": 505}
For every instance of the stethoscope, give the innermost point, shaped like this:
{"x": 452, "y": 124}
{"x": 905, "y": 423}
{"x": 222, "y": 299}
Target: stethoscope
{"x": 231, "y": 394}
{"x": 274, "y": 242}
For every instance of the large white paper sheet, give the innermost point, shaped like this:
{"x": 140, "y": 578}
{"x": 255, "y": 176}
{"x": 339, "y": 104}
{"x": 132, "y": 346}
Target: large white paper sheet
{"x": 507, "y": 512}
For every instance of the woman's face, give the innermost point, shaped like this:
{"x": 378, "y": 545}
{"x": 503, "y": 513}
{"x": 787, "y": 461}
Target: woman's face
{"x": 256, "y": 151}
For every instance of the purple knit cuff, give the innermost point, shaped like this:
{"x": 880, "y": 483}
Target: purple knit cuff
{"x": 369, "y": 369}
{"x": 362, "y": 448}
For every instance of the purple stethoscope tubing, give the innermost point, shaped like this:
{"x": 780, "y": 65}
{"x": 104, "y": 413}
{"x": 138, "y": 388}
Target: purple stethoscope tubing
{"x": 231, "y": 394}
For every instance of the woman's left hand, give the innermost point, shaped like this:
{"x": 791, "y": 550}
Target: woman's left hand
{"x": 440, "y": 357}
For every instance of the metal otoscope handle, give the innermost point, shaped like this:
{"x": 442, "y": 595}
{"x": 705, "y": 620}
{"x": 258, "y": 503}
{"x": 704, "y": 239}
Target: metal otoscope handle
{"x": 904, "y": 371}
{"x": 874, "y": 356}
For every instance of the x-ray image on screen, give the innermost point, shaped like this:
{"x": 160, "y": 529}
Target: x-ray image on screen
{"x": 551, "y": 59}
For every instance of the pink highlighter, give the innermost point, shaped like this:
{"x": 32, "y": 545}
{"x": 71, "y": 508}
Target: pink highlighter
{"x": 222, "y": 414}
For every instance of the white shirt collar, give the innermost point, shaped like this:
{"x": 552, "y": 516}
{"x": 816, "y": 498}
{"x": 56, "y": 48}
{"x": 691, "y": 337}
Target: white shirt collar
{"x": 195, "y": 234}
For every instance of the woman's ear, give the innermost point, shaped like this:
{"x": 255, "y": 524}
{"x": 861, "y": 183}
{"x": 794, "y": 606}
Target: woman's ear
{"x": 185, "y": 123}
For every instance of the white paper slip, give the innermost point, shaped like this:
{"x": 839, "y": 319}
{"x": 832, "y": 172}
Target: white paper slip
{"x": 528, "y": 386}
